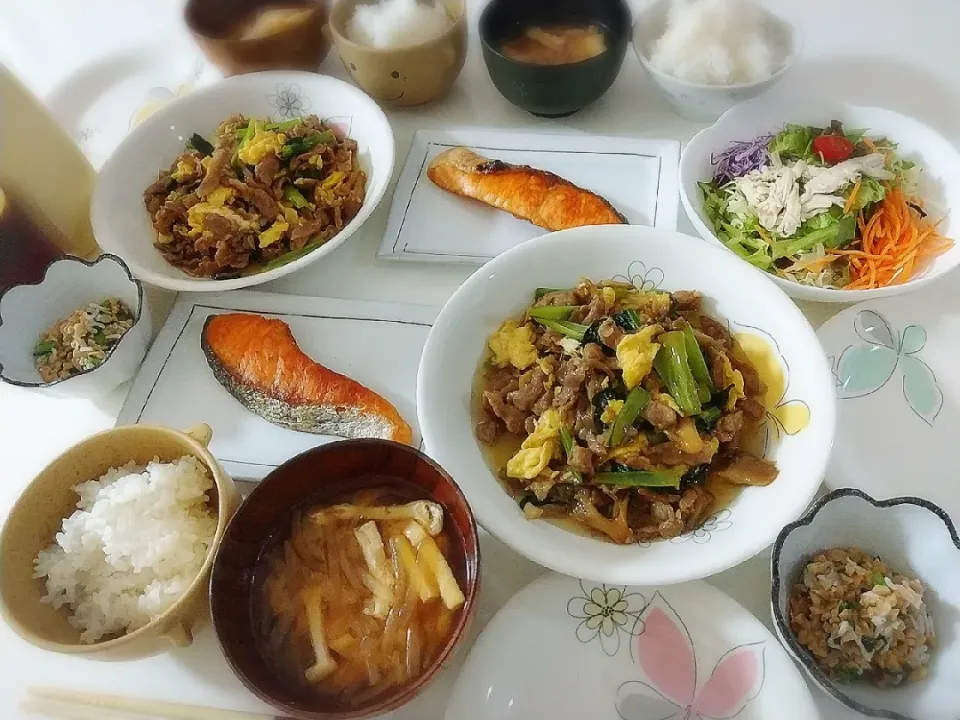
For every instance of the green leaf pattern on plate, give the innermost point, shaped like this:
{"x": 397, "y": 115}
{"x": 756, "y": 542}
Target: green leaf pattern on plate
{"x": 865, "y": 368}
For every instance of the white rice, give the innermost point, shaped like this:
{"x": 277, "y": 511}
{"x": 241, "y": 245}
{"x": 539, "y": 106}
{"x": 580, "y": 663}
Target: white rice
{"x": 135, "y": 543}
{"x": 397, "y": 23}
{"x": 717, "y": 42}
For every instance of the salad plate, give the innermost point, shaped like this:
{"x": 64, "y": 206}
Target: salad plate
{"x": 569, "y": 649}
{"x": 426, "y": 224}
{"x": 176, "y": 387}
{"x": 893, "y": 363}
{"x": 917, "y": 167}
{"x": 100, "y": 103}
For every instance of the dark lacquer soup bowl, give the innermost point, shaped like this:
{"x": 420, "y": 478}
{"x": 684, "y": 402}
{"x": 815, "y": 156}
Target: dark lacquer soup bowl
{"x": 321, "y": 477}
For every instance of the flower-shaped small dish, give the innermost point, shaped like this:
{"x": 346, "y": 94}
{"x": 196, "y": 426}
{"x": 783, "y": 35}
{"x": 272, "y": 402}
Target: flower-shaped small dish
{"x": 914, "y": 538}
{"x": 563, "y": 648}
{"x": 70, "y": 284}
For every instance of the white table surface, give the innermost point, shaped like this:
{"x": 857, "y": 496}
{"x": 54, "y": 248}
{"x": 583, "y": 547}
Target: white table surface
{"x": 885, "y": 52}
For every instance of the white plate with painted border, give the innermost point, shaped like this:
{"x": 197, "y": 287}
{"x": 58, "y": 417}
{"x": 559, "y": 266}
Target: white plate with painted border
{"x": 426, "y": 224}
{"x": 894, "y": 364}
{"x": 105, "y": 99}
{"x": 567, "y": 649}
{"x": 376, "y": 344}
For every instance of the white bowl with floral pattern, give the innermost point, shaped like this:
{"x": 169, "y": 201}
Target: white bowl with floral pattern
{"x": 120, "y": 220}
{"x": 566, "y": 649}
{"x": 801, "y": 404}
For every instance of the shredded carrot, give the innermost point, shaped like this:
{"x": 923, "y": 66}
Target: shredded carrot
{"x": 894, "y": 243}
{"x": 869, "y": 143}
{"x": 853, "y": 197}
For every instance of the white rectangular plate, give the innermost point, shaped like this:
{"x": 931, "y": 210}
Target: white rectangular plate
{"x": 376, "y": 344}
{"x": 427, "y": 224}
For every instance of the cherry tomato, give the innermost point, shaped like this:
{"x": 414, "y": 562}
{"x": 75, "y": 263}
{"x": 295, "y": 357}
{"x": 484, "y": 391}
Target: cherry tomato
{"x": 832, "y": 148}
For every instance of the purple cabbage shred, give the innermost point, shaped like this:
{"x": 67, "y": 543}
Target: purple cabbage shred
{"x": 740, "y": 158}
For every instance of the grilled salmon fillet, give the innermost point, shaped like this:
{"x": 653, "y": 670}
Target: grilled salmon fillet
{"x": 529, "y": 194}
{"x": 258, "y": 361}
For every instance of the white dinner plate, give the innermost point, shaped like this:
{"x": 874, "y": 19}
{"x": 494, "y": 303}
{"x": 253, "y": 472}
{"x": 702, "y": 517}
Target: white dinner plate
{"x": 894, "y": 364}
{"x": 377, "y": 344}
{"x": 427, "y": 224}
{"x": 567, "y": 649}
{"x": 102, "y": 101}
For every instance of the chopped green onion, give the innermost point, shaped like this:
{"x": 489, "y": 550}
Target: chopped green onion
{"x": 628, "y": 320}
{"x": 540, "y": 292}
{"x": 636, "y": 401}
{"x": 44, "y": 347}
{"x": 698, "y": 365}
{"x": 286, "y": 259}
{"x": 298, "y": 146}
{"x": 673, "y": 367}
{"x": 295, "y": 197}
{"x": 552, "y": 312}
{"x": 566, "y": 439}
{"x": 707, "y": 418}
{"x": 640, "y": 478}
{"x": 877, "y": 578}
{"x": 567, "y": 329}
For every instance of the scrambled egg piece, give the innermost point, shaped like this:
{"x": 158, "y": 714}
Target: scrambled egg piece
{"x": 732, "y": 379}
{"x": 611, "y": 411}
{"x": 260, "y": 145}
{"x": 652, "y": 303}
{"x": 213, "y": 206}
{"x": 187, "y": 168}
{"x": 635, "y": 353}
{"x": 290, "y": 214}
{"x": 273, "y": 233}
{"x": 538, "y": 449}
{"x": 221, "y": 196}
{"x": 630, "y": 449}
{"x": 609, "y": 295}
{"x": 686, "y": 436}
{"x": 665, "y": 399}
{"x": 512, "y": 344}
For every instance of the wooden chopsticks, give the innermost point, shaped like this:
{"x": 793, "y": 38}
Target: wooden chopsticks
{"x": 76, "y": 705}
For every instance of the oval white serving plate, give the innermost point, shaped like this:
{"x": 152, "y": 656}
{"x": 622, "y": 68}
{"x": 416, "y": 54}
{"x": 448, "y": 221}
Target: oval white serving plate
{"x": 120, "y": 221}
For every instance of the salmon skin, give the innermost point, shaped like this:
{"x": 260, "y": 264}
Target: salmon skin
{"x": 537, "y": 196}
{"x": 258, "y": 362}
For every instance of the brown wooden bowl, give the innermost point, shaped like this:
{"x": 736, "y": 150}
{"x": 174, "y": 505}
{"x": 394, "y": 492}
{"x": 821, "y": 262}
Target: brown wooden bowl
{"x": 318, "y": 476}
{"x": 301, "y": 46}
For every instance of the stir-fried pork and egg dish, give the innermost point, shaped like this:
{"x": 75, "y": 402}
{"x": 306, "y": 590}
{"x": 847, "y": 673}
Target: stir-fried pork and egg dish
{"x": 261, "y": 195}
{"x": 628, "y": 412}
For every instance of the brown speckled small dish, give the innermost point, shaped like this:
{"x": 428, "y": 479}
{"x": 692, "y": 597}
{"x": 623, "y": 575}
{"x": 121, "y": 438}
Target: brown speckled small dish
{"x": 403, "y": 76}
{"x": 301, "y": 46}
{"x": 37, "y": 517}
{"x": 315, "y": 477}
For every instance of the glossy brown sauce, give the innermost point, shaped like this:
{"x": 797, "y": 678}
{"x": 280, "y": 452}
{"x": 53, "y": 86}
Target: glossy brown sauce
{"x": 507, "y": 445}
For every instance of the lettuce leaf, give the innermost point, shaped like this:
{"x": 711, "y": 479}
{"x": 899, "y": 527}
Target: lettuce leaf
{"x": 714, "y": 203}
{"x": 831, "y": 229}
{"x": 795, "y": 142}
{"x": 871, "y": 191}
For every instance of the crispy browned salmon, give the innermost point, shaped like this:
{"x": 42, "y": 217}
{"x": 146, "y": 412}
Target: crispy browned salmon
{"x": 258, "y": 361}
{"x": 530, "y": 194}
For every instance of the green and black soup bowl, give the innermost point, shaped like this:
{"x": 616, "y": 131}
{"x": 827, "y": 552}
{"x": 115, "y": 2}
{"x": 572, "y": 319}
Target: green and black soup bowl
{"x": 554, "y": 90}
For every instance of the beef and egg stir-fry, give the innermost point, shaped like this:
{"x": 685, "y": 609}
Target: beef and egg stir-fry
{"x": 629, "y": 412}
{"x": 261, "y": 195}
